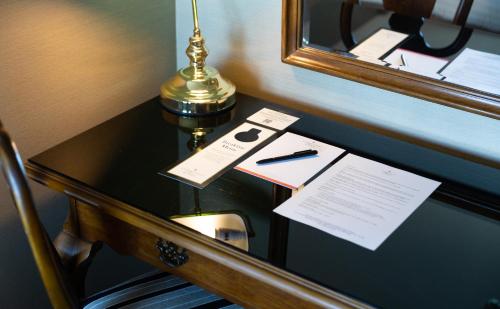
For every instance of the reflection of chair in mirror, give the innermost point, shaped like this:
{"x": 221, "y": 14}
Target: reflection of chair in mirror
{"x": 62, "y": 266}
{"x": 408, "y": 17}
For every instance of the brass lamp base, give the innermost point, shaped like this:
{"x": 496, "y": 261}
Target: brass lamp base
{"x": 198, "y": 89}
{"x": 193, "y": 92}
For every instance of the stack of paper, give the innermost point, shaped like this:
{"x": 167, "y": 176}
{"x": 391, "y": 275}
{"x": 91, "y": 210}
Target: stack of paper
{"x": 359, "y": 200}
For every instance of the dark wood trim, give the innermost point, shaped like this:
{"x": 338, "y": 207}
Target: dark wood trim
{"x": 278, "y": 229}
{"x": 288, "y": 288}
{"x": 454, "y": 96}
{"x": 76, "y": 252}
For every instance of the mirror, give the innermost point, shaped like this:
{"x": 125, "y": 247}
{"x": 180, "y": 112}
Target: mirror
{"x": 445, "y": 51}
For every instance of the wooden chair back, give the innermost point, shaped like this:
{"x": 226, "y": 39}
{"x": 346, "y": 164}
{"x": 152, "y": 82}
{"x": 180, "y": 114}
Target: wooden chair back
{"x": 420, "y": 8}
{"x": 408, "y": 17}
{"x": 60, "y": 291}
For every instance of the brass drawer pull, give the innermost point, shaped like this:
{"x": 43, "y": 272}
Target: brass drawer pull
{"x": 171, "y": 254}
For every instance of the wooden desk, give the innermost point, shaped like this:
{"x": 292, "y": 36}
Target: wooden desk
{"x": 445, "y": 255}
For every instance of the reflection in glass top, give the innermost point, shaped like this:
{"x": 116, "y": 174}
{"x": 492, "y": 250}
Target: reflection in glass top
{"x": 450, "y": 40}
{"x": 227, "y": 227}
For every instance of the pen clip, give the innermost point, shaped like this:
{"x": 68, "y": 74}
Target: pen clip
{"x": 304, "y": 151}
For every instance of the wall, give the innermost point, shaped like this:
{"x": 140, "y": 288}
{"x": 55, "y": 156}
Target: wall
{"x": 244, "y": 41}
{"x": 66, "y": 66}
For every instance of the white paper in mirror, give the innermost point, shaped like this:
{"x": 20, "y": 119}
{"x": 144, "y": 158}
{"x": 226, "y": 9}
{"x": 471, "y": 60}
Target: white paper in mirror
{"x": 475, "y": 69}
{"x": 416, "y": 63}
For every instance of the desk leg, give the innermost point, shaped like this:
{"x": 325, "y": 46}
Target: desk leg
{"x": 76, "y": 253}
{"x": 278, "y": 234}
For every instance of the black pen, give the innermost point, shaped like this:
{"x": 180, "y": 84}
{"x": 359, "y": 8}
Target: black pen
{"x": 295, "y": 155}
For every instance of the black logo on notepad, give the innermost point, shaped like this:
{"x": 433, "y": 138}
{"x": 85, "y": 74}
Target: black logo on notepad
{"x": 249, "y": 136}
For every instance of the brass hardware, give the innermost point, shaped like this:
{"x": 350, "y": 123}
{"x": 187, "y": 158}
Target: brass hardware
{"x": 197, "y": 89}
{"x": 171, "y": 254}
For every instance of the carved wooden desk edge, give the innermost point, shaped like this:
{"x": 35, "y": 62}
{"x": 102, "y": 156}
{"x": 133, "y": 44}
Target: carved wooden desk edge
{"x": 271, "y": 280}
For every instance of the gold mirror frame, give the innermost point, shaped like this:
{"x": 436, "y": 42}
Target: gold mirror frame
{"x": 292, "y": 52}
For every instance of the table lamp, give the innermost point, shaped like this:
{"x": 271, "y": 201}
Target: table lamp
{"x": 197, "y": 89}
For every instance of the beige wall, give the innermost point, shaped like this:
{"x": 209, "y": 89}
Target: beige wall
{"x": 244, "y": 40}
{"x": 66, "y": 66}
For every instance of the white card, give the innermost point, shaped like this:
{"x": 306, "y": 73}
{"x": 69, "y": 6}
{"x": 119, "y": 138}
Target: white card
{"x": 272, "y": 119}
{"x": 291, "y": 173}
{"x": 359, "y": 200}
{"x": 377, "y": 45}
{"x": 205, "y": 164}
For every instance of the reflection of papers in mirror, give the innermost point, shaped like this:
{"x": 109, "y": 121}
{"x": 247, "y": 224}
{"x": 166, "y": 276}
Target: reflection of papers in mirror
{"x": 416, "y": 63}
{"x": 378, "y": 45}
{"x": 475, "y": 69}
{"x": 290, "y": 173}
{"x": 227, "y": 227}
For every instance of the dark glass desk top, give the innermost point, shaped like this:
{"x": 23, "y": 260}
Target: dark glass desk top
{"x": 445, "y": 255}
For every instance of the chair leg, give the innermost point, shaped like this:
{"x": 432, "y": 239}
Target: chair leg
{"x": 76, "y": 253}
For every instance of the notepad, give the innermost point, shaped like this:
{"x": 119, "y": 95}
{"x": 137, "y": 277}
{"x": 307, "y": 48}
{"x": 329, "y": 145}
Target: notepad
{"x": 291, "y": 173}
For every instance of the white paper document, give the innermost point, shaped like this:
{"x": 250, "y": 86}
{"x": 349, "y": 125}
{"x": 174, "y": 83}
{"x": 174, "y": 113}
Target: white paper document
{"x": 416, "y": 63}
{"x": 377, "y": 45}
{"x": 205, "y": 164}
{"x": 272, "y": 119}
{"x": 475, "y": 69}
{"x": 359, "y": 200}
{"x": 291, "y": 173}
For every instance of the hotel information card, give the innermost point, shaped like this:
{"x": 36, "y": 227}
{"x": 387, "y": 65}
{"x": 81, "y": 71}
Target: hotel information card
{"x": 359, "y": 200}
{"x": 206, "y": 164}
{"x": 272, "y": 119}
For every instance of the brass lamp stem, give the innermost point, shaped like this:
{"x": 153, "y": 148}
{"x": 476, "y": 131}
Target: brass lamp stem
{"x": 196, "y": 51}
{"x": 195, "y": 17}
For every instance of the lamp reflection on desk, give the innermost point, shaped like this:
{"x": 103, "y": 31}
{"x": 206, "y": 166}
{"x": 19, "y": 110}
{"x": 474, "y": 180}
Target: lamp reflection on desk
{"x": 198, "y": 127}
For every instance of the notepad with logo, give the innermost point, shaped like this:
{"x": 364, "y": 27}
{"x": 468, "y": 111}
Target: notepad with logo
{"x": 295, "y": 172}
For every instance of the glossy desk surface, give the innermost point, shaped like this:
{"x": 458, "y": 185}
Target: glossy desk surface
{"x": 445, "y": 255}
